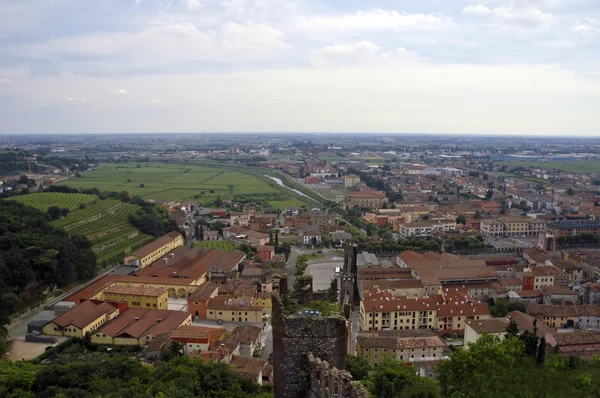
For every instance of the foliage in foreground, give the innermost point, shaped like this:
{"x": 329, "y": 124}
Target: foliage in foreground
{"x": 503, "y": 369}
{"x": 121, "y": 376}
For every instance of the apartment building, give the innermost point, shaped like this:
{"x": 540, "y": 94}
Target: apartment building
{"x": 573, "y": 228}
{"x": 369, "y": 200}
{"x": 154, "y": 250}
{"x": 234, "y": 309}
{"x": 384, "y": 311}
{"x": 512, "y": 226}
{"x": 351, "y": 180}
{"x": 425, "y": 228}
{"x": 399, "y": 345}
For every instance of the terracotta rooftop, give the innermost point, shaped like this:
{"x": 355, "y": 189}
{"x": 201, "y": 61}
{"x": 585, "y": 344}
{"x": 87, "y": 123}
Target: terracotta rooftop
{"x": 155, "y": 244}
{"x": 525, "y": 322}
{"x": 85, "y": 313}
{"x": 136, "y": 290}
{"x": 403, "y": 339}
{"x": 197, "y": 332}
{"x": 204, "y": 291}
{"x": 247, "y": 334}
{"x": 494, "y": 325}
{"x": 578, "y": 337}
{"x": 393, "y": 284}
{"x": 229, "y": 303}
{"x": 138, "y": 322}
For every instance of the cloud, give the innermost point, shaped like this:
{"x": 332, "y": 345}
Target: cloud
{"x": 156, "y": 102}
{"x": 193, "y": 5}
{"x": 512, "y": 14}
{"x": 377, "y": 19}
{"x": 477, "y": 9}
{"x": 71, "y": 99}
{"x": 6, "y": 80}
{"x": 120, "y": 91}
{"x": 360, "y": 53}
{"x": 587, "y": 27}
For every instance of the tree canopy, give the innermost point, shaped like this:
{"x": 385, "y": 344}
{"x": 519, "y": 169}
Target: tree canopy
{"x": 34, "y": 254}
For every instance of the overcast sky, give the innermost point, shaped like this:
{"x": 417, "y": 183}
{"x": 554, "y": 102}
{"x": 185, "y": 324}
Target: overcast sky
{"x": 457, "y": 66}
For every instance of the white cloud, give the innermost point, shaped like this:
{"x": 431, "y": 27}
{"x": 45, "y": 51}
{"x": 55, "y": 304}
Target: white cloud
{"x": 512, "y": 14}
{"x": 6, "y": 80}
{"x": 120, "y": 91}
{"x": 377, "y": 19}
{"x": 156, "y": 102}
{"x": 477, "y": 9}
{"x": 587, "y": 27}
{"x": 71, "y": 99}
{"x": 193, "y": 5}
{"x": 360, "y": 53}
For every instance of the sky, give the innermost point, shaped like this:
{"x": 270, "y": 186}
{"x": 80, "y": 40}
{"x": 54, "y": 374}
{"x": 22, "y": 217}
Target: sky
{"x": 418, "y": 66}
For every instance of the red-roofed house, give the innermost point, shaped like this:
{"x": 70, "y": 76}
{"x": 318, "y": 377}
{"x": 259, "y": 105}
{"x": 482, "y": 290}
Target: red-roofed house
{"x": 266, "y": 252}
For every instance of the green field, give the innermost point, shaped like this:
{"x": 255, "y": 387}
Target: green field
{"x": 569, "y": 167}
{"x": 106, "y": 225}
{"x": 224, "y": 245}
{"x": 176, "y": 182}
{"x": 44, "y": 200}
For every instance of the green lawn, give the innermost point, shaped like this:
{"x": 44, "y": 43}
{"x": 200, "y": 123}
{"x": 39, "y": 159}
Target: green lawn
{"x": 569, "y": 167}
{"x": 224, "y": 245}
{"x": 177, "y": 182}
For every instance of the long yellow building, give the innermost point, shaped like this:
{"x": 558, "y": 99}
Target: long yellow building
{"x": 399, "y": 345}
{"x": 81, "y": 319}
{"x": 154, "y": 250}
{"x": 137, "y": 296}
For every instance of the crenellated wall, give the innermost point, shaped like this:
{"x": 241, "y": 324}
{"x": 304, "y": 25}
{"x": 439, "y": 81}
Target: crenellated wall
{"x": 328, "y": 382}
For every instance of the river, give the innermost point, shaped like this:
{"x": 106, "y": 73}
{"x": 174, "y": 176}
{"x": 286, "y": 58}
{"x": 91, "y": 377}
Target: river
{"x": 279, "y": 182}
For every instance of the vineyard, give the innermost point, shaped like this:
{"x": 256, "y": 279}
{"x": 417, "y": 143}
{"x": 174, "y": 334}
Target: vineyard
{"x": 44, "y": 200}
{"x": 224, "y": 245}
{"x": 106, "y": 225}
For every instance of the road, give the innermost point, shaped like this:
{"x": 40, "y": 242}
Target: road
{"x": 355, "y": 327}
{"x": 290, "y": 266}
{"x": 267, "y": 343}
{"x": 225, "y": 325}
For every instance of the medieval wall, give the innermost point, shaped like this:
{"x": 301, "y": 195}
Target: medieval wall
{"x": 328, "y": 382}
{"x": 293, "y": 338}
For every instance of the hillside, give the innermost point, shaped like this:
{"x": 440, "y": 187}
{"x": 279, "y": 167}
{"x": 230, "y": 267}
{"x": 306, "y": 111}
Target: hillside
{"x": 104, "y": 222}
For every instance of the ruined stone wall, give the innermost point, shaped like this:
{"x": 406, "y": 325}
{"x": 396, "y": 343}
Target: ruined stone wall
{"x": 293, "y": 338}
{"x": 327, "y": 381}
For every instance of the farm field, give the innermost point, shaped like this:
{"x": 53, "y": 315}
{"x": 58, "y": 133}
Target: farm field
{"x": 44, "y": 200}
{"x": 569, "y": 167}
{"x": 177, "y": 182}
{"x": 224, "y": 245}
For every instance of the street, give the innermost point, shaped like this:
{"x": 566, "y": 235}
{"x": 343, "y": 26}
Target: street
{"x": 267, "y": 343}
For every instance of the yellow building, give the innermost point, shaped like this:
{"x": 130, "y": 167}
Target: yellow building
{"x": 542, "y": 276}
{"x": 81, "y": 319}
{"x": 399, "y": 345}
{"x": 138, "y": 326}
{"x": 263, "y": 299}
{"x": 137, "y": 296}
{"x": 351, "y": 181}
{"x": 229, "y": 309}
{"x": 383, "y": 311}
{"x": 154, "y": 250}
{"x": 516, "y": 226}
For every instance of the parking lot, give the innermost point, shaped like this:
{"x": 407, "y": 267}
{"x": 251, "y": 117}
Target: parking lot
{"x": 322, "y": 271}
{"x": 177, "y": 304}
{"x": 511, "y": 242}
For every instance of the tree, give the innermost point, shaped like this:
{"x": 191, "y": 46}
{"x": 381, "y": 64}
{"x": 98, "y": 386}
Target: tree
{"x": 541, "y": 354}
{"x": 270, "y": 237}
{"x": 489, "y": 194}
{"x": 218, "y": 226}
{"x": 571, "y": 191}
{"x": 54, "y": 212}
{"x": 276, "y": 239}
{"x": 477, "y": 215}
{"x": 142, "y": 185}
{"x": 512, "y": 329}
{"x": 357, "y": 366}
{"x": 201, "y": 233}
{"x": 392, "y": 379}
{"x": 176, "y": 348}
{"x": 461, "y": 219}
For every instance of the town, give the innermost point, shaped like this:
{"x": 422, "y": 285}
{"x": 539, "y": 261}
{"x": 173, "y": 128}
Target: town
{"x": 272, "y": 255}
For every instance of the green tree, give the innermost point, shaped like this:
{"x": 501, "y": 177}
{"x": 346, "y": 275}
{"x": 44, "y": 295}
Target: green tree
{"x": 358, "y": 367}
{"x": 461, "y": 219}
{"x": 392, "y": 379}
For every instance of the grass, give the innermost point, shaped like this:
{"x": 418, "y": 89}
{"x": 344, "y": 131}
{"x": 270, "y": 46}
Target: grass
{"x": 316, "y": 256}
{"x": 224, "y": 245}
{"x": 44, "y": 200}
{"x": 181, "y": 182}
{"x": 569, "y": 167}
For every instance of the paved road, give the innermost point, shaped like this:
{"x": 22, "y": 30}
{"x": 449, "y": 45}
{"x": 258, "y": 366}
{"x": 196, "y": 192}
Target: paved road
{"x": 225, "y": 325}
{"x": 290, "y": 266}
{"x": 267, "y": 343}
{"x": 354, "y": 329}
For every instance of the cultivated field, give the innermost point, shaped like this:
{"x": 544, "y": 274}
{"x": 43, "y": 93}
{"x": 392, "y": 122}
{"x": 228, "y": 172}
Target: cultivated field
{"x": 106, "y": 225}
{"x": 569, "y": 167}
{"x": 168, "y": 182}
{"x": 224, "y": 245}
{"x": 44, "y": 200}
